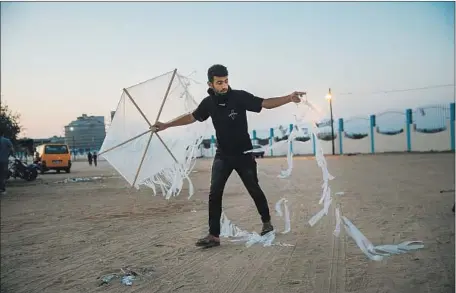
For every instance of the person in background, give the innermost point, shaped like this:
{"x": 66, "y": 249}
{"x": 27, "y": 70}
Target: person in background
{"x": 6, "y": 149}
{"x": 95, "y": 157}
{"x": 89, "y": 157}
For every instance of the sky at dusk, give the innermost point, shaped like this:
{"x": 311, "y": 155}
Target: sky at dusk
{"x": 59, "y": 60}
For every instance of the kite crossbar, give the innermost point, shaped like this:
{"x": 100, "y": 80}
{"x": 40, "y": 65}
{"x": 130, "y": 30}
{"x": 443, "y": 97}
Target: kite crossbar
{"x": 166, "y": 95}
{"x": 137, "y": 107}
{"x": 125, "y": 142}
{"x": 143, "y": 157}
{"x": 169, "y": 151}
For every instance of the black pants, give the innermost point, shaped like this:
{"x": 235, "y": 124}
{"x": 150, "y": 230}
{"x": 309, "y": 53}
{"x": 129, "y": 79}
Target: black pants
{"x": 246, "y": 167}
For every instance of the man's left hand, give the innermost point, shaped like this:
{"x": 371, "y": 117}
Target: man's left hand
{"x": 295, "y": 97}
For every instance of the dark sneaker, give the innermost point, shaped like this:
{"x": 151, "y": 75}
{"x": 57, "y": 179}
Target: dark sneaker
{"x": 267, "y": 227}
{"x": 208, "y": 241}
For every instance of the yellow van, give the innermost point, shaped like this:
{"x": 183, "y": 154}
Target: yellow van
{"x": 53, "y": 156}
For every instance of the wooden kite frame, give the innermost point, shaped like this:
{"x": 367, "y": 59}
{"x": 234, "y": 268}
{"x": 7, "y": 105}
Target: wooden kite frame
{"x": 151, "y": 130}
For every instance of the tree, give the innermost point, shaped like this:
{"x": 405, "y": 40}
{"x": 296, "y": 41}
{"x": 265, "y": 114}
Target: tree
{"x": 9, "y": 123}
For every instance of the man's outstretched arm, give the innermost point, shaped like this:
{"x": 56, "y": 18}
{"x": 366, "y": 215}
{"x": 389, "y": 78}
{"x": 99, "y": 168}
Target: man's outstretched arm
{"x": 201, "y": 113}
{"x": 179, "y": 121}
{"x": 272, "y": 103}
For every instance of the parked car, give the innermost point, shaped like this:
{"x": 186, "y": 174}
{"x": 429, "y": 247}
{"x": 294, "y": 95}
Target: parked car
{"x": 53, "y": 157}
{"x": 258, "y": 151}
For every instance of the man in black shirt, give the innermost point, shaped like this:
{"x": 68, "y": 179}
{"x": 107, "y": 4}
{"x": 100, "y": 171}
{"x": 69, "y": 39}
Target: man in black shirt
{"x": 228, "y": 109}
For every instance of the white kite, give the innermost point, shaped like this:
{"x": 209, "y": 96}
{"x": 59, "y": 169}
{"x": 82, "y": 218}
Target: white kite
{"x": 144, "y": 157}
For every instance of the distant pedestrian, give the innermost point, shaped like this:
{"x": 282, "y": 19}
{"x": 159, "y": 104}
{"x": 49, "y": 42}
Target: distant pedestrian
{"x": 94, "y": 156}
{"x": 89, "y": 158}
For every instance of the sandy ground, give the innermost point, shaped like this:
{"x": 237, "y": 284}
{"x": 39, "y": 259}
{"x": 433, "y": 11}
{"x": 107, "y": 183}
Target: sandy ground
{"x": 61, "y": 237}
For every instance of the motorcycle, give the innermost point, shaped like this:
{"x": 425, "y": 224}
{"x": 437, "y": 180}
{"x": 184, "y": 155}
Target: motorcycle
{"x": 18, "y": 169}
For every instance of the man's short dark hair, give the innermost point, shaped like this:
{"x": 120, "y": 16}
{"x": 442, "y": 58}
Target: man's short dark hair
{"x": 216, "y": 70}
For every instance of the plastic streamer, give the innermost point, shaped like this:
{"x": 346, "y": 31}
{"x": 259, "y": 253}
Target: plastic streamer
{"x": 371, "y": 251}
{"x": 337, "y": 229}
{"x": 376, "y": 253}
{"x": 278, "y": 207}
{"x": 230, "y": 230}
{"x": 171, "y": 180}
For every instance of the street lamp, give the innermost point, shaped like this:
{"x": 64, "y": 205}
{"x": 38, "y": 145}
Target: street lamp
{"x": 329, "y": 98}
{"x": 74, "y": 152}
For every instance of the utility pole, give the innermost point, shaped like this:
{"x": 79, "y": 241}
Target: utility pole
{"x": 329, "y": 98}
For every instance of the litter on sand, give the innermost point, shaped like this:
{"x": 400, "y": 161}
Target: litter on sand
{"x": 81, "y": 179}
{"x": 127, "y": 277}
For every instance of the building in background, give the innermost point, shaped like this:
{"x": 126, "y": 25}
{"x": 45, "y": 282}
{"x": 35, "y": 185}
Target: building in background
{"x": 54, "y": 139}
{"x": 86, "y": 133}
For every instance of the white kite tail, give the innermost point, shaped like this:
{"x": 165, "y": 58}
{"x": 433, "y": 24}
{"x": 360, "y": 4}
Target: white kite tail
{"x": 230, "y": 230}
{"x": 171, "y": 180}
{"x": 376, "y": 253}
{"x": 287, "y": 173}
{"x": 278, "y": 207}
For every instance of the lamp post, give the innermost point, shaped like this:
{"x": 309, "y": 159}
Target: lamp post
{"x": 73, "y": 147}
{"x": 329, "y": 98}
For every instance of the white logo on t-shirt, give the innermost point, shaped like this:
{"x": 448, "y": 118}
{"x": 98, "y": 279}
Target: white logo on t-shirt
{"x": 232, "y": 115}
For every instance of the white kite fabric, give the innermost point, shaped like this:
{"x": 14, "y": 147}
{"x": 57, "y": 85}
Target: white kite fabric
{"x": 143, "y": 157}
{"x": 310, "y": 114}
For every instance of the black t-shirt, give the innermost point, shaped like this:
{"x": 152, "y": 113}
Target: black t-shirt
{"x": 229, "y": 117}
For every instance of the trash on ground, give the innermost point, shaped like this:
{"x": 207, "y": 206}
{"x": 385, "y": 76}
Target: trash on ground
{"x": 108, "y": 278}
{"x": 128, "y": 280}
{"x": 445, "y": 191}
{"x": 127, "y": 277}
{"x": 81, "y": 179}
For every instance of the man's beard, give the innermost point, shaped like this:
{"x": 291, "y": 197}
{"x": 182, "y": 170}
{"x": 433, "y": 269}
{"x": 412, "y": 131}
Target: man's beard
{"x": 220, "y": 93}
